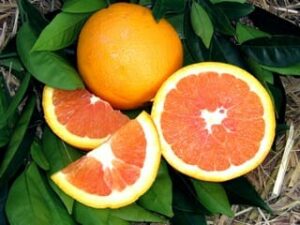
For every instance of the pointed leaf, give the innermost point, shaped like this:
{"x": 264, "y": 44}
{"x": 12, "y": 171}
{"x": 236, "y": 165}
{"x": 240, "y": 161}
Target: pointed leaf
{"x": 162, "y": 7}
{"x": 159, "y": 197}
{"x": 12, "y": 63}
{"x": 58, "y": 153}
{"x": 240, "y": 191}
{"x": 136, "y": 213}
{"x": 201, "y": 23}
{"x": 288, "y": 70}
{"x": 223, "y": 50}
{"x": 186, "y": 218}
{"x": 213, "y": 197}
{"x": 19, "y": 144}
{"x": 38, "y": 155}
{"x": 277, "y": 51}
{"x": 79, "y": 6}
{"x": 15, "y": 102}
{"x": 31, "y": 201}
{"x": 220, "y": 20}
{"x": 61, "y": 32}
{"x": 192, "y": 42}
{"x": 245, "y": 33}
{"x": 47, "y": 67}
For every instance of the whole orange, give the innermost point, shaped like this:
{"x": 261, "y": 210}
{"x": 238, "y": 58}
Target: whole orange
{"x": 124, "y": 54}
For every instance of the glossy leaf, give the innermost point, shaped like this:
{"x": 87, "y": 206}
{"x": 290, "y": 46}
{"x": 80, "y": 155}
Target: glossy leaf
{"x": 38, "y": 155}
{"x": 213, "y": 197}
{"x": 66, "y": 199}
{"x": 220, "y": 20}
{"x": 245, "y": 33}
{"x": 31, "y": 201}
{"x": 79, "y": 6}
{"x": 61, "y": 32}
{"x": 136, "y": 213}
{"x": 187, "y": 218}
{"x": 192, "y": 42}
{"x": 162, "y": 7}
{"x": 159, "y": 197}
{"x": 15, "y": 102}
{"x": 288, "y": 70}
{"x": 234, "y": 10}
{"x": 58, "y": 153}
{"x": 240, "y": 191}
{"x": 201, "y": 24}
{"x": 277, "y": 51}
{"x": 223, "y": 50}
{"x": 47, "y": 67}
{"x": 19, "y": 144}
{"x": 91, "y": 216}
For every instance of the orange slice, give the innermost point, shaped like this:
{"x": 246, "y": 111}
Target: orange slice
{"x": 119, "y": 171}
{"x": 215, "y": 121}
{"x": 80, "y": 118}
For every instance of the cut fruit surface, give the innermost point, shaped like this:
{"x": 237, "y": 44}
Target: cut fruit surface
{"x": 215, "y": 121}
{"x": 80, "y": 118}
{"x": 117, "y": 172}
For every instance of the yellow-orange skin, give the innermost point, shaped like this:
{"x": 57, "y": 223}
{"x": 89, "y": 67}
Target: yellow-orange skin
{"x": 124, "y": 54}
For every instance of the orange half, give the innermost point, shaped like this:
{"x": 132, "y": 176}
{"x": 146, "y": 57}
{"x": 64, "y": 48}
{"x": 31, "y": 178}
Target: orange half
{"x": 215, "y": 121}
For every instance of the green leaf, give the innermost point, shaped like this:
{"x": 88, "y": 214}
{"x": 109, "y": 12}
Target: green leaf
{"x": 187, "y": 218}
{"x": 58, "y": 153}
{"x": 288, "y": 70}
{"x": 30, "y": 14}
{"x": 220, "y": 20}
{"x": 4, "y": 102}
{"x": 240, "y": 191}
{"x": 193, "y": 45}
{"x": 61, "y": 32}
{"x": 3, "y": 197}
{"x": 201, "y": 23}
{"x": 177, "y": 22}
{"x": 19, "y": 144}
{"x": 234, "y": 10}
{"x": 66, "y": 199}
{"x": 276, "y": 51}
{"x": 223, "y": 50}
{"x": 90, "y": 216}
{"x": 213, "y": 197}
{"x": 163, "y": 7}
{"x": 47, "y": 67}
{"x": 38, "y": 156}
{"x": 220, "y": 1}
{"x": 79, "y": 6}
{"x": 15, "y": 102}
{"x": 245, "y": 33}
{"x": 264, "y": 76}
{"x": 31, "y": 201}
{"x": 12, "y": 63}
{"x": 159, "y": 197}
{"x": 136, "y": 213}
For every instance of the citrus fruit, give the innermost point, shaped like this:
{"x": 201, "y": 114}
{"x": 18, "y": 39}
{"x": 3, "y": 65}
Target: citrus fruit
{"x": 124, "y": 54}
{"x": 117, "y": 172}
{"x": 80, "y": 118}
{"x": 215, "y": 121}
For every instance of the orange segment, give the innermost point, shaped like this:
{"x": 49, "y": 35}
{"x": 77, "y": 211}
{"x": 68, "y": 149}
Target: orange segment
{"x": 215, "y": 121}
{"x": 79, "y": 117}
{"x": 117, "y": 172}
